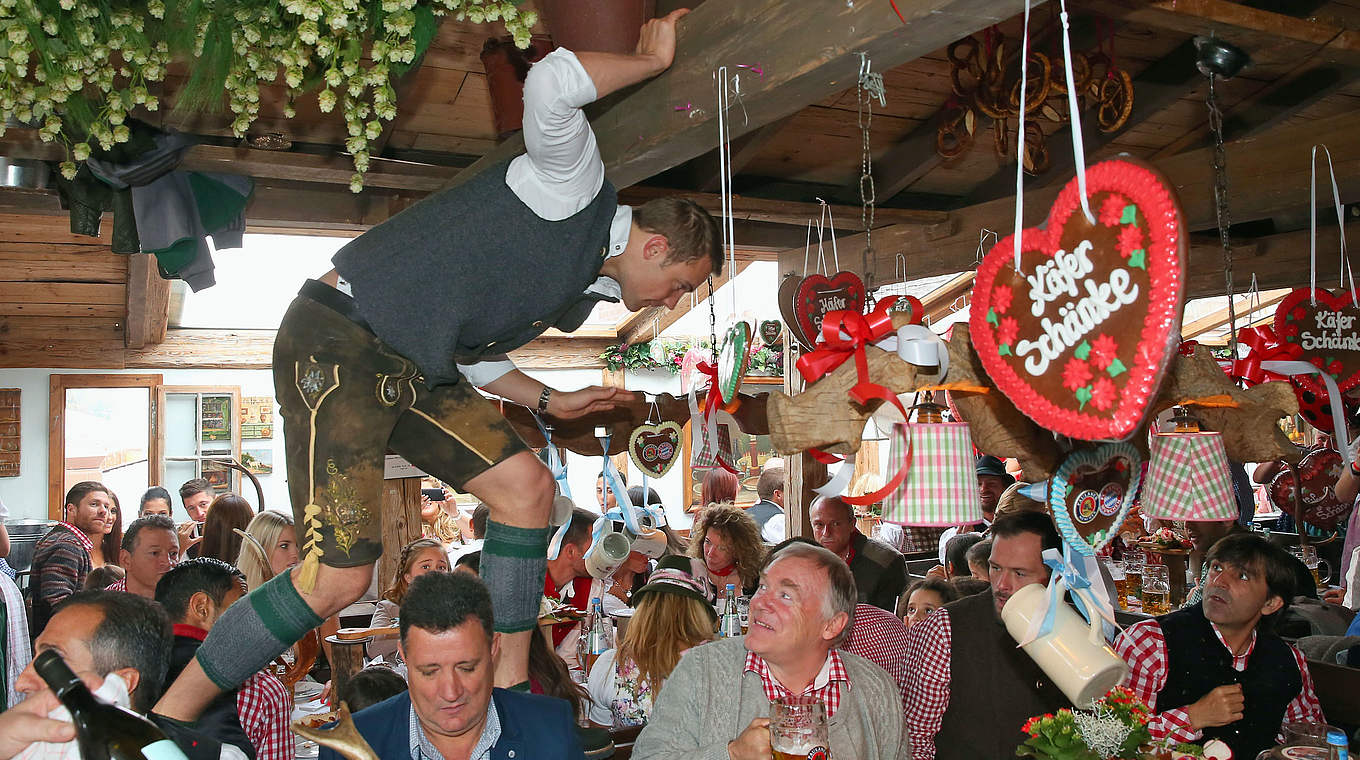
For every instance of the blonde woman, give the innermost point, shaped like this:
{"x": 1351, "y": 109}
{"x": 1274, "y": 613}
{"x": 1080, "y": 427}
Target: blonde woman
{"x": 672, "y": 616}
{"x": 727, "y": 541}
{"x": 269, "y": 547}
{"x": 421, "y": 556}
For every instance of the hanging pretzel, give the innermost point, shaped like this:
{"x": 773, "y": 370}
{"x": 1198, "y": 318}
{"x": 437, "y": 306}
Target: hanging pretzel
{"x": 955, "y": 134}
{"x": 965, "y": 67}
{"x": 1036, "y": 87}
{"x": 1001, "y": 141}
{"x": 1036, "y": 149}
{"x": 1115, "y": 102}
{"x": 1081, "y": 75}
{"x": 1055, "y": 109}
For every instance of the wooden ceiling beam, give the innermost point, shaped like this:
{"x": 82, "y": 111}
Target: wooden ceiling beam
{"x": 1268, "y": 37}
{"x": 1269, "y": 174}
{"x": 148, "y": 303}
{"x": 780, "y": 212}
{"x": 1244, "y": 307}
{"x": 706, "y": 173}
{"x": 645, "y": 324}
{"x": 807, "y": 52}
{"x": 941, "y": 300}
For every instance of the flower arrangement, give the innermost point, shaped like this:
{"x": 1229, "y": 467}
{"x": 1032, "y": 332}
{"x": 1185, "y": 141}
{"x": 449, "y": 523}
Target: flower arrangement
{"x": 1115, "y": 727}
{"x": 670, "y": 354}
{"x": 76, "y": 69}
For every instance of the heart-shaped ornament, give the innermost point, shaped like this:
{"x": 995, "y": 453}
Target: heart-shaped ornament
{"x": 1080, "y": 337}
{"x": 1327, "y": 333}
{"x": 817, "y": 295}
{"x": 733, "y": 360}
{"x": 772, "y": 332}
{"x": 1319, "y": 469}
{"x": 787, "y": 298}
{"x": 655, "y": 448}
{"x": 1092, "y": 492}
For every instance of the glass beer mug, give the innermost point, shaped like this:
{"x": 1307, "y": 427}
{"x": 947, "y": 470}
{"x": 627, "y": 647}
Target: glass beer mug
{"x": 798, "y": 729}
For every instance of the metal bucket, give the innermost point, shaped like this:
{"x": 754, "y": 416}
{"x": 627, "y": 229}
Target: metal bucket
{"x": 23, "y": 172}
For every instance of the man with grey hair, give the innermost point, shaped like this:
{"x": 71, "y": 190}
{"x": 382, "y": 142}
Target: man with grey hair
{"x": 801, "y": 612}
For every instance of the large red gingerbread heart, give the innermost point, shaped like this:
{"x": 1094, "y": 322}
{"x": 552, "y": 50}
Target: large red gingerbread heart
{"x": 1319, "y": 470}
{"x": 1327, "y": 333}
{"x": 1080, "y": 337}
{"x": 817, "y": 295}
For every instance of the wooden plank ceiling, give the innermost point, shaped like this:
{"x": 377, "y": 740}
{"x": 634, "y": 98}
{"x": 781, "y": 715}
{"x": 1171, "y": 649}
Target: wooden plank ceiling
{"x": 67, "y": 301}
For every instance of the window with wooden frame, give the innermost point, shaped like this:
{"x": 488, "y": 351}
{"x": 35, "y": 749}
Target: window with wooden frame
{"x": 200, "y": 431}
{"x": 101, "y": 427}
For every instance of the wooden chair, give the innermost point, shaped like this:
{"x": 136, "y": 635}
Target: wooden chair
{"x": 1337, "y": 688}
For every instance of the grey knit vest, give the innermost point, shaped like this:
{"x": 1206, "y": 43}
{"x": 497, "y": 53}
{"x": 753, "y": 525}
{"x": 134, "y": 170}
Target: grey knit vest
{"x": 472, "y": 271}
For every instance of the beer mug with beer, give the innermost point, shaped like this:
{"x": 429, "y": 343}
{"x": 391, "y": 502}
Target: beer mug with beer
{"x": 798, "y": 729}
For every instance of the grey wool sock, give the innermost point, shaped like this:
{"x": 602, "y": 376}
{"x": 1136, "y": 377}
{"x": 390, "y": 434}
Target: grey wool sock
{"x": 250, "y": 635}
{"x": 514, "y": 561}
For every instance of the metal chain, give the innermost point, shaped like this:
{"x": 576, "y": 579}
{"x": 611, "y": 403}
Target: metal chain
{"x": 1221, "y": 207}
{"x": 868, "y": 88}
{"x": 712, "y": 322}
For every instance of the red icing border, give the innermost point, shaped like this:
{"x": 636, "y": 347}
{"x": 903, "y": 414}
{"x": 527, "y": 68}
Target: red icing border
{"x": 1160, "y": 335}
{"x": 1331, "y": 301}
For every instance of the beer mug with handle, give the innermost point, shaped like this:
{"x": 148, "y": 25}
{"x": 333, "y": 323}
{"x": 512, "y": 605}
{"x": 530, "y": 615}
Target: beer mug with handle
{"x": 798, "y": 729}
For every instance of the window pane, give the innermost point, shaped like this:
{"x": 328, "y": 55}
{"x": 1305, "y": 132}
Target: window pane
{"x": 181, "y": 415}
{"x": 107, "y": 437}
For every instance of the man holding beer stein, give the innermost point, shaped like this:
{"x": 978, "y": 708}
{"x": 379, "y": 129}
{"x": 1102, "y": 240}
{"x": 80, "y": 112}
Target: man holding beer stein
{"x": 796, "y": 696}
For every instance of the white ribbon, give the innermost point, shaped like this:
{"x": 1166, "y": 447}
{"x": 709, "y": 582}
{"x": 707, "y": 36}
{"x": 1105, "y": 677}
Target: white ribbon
{"x": 1333, "y": 399}
{"x": 1344, "y": 271}
{"x": 1090, "y": 596}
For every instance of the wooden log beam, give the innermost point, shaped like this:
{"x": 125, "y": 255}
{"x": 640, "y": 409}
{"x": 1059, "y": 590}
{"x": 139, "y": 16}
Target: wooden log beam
{"x": 941, "y": 300}
{"x": 148, "y": 303}
{"x": 1268, "y": 37}
{"x": 650, "y": 322}
{"x": 1269, "y": 174}
{"x": 1244, "y": 307}
{"x": 705, "y": 170}
{"x": 807, "y": 52}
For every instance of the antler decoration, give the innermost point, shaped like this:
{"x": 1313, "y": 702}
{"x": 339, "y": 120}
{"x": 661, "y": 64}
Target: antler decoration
{"x": 342, "y": 737}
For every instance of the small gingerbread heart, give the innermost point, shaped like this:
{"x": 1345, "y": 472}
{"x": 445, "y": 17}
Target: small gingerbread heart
{"x": 771, "y": 332}
{"x": 655, "y": 448}
{"x": 1319, "y": 470}
{"x": 1092, "y": 492}
{"x": 819, "y": 295}
{"x": 787, "y": 299}
{"x": 733, "y": 360}
{"x": 1326, "y": 329}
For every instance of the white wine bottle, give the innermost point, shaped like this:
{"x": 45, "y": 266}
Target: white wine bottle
{"x": 103, "y": 731}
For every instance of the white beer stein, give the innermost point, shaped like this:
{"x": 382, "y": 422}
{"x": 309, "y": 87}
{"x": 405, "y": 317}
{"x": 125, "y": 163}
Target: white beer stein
{"x": 607, "y": 554}
{"x": 1085, "y": 671}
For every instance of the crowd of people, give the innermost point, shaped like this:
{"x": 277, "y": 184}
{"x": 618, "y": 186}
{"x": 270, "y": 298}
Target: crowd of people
{"x": 906, "y": 666}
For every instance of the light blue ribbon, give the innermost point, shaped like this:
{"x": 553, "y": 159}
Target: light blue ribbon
{"x": 614, "y": 482}
{"x": 1069, "y": 570}
{"x": 556, "y": 465}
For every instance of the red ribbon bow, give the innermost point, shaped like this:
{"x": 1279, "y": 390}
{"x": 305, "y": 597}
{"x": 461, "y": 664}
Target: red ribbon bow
{"x": 846, "y": 334}
{"x": 1263, "y": 345}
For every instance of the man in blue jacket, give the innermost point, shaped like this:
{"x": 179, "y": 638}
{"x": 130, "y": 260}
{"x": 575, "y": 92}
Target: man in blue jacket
{"x": 451, "y": 711}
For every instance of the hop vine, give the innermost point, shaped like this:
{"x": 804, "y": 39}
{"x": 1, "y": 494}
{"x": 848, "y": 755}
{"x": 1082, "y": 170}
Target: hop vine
{"x": 75, "y": 70}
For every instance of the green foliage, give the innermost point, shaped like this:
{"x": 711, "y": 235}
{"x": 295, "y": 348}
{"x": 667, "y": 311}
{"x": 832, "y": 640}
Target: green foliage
{"x": 669, "y": 354}
{"x": 76, "y": 69}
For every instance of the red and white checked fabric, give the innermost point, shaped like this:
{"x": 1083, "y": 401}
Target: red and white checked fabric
{"x": 941, "y": 483}
{"x": 881, "y": 638}
{"x": 927, "y": 681}
{"x": 80, "y": 536}
{"x": 1143, "y": 647}
{"x": 264, "y": 705}
{"x": 830, "y": 678}
{"x": 1187, "y": 478}
{"x": 118, "y": 585}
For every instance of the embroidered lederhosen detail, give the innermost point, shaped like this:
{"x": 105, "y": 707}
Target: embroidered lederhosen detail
{"x": 390, "y": 386}
{"x": 315, "y": 381}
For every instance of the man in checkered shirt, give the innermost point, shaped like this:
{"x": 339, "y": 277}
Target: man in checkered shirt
{"x": 1215, "y": 669}
{"x": 716, "y": 703}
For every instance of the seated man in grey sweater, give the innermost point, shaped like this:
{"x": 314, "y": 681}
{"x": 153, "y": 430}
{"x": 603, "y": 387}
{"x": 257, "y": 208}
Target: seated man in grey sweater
{"x": 802, "y": 611}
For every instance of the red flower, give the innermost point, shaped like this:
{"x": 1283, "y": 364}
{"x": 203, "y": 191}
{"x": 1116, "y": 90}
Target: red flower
{"x": 1112, "y": 210}
{"x": 1103, "y": 350}
{"x": 1001, "y": 299}
{"x": 1076, "y": 373}
{"x": 1102, "y": 395}
{"x": 1006, "y": 331}
{"x": 1130, "y": 240}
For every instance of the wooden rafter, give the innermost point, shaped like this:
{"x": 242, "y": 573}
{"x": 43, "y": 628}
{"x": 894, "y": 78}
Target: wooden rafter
{"x": 807, "y": 52}
{"x": 148, "y": 303}
{"x": 1244, "y": 307}
{"x": 941, "y": 300}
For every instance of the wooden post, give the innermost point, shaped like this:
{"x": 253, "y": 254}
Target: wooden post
{"x": 802, "y": 473}
{"x": 400, "y": 524}
{"x": 347, "y": 658}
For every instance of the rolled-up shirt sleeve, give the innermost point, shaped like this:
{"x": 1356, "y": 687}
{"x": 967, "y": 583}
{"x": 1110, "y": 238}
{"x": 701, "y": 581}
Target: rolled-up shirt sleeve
{"x": 560, "y": 172}
{"x": 486, "y": 370}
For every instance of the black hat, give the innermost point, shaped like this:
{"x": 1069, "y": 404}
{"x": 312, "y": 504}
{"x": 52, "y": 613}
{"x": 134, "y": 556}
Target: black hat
{"x": 674, "y": 574}
{"x": 990, "y": 465}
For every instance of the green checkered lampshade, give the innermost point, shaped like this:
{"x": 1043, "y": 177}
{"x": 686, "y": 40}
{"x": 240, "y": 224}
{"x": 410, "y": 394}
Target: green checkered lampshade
{"x": 941, "y": 485}
{"x": 1187, "y": 478}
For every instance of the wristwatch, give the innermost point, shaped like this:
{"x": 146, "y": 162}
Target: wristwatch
{"x": 543, "y": 399}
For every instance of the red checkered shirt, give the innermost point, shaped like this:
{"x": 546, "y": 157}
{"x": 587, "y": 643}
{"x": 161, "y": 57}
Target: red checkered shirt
{"x": 80, "y": 536}
{"x": 830, "y": 678}
{"x": 926, "y": 690}
{"x": 1143, "y": 647}
{"x": 118, "y": 585}
{"x": 264, "y": 706}
{"x": 881, "y": 638}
